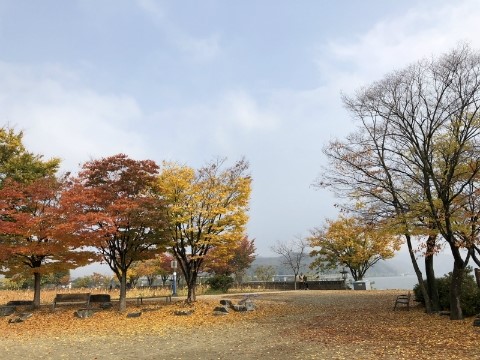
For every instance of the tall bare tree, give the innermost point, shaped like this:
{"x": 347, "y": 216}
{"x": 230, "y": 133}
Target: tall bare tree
{"x": 416, "y": 154}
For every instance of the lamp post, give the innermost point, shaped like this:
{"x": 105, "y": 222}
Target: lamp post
{"x": 173, "y": 264}
{"x": 344, "y": 277}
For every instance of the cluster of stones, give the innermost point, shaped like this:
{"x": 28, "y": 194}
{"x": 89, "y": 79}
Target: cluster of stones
{"x": 227, "y": 305}
{"x": 20, "y": 318}
{"x": 11, "y": 309}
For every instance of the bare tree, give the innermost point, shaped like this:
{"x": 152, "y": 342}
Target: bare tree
{"x": 293, "y": 254}
{"x": 416, "y": 155}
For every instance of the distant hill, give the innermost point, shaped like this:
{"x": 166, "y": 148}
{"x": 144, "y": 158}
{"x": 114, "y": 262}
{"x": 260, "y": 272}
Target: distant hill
{"x": 399, "y": 265}
{"x": 382, "y": 268}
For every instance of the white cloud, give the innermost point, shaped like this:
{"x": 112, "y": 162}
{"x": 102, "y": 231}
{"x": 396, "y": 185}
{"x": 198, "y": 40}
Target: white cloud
{"x": 421, "y": 32}
{"x": 242, "y": 109}
{"x": 221, "y": 127}
{"x": 63, "y": 120}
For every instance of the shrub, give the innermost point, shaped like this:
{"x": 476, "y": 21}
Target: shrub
{"x": 469, "y": 299}
{"x": 220, "y": 282}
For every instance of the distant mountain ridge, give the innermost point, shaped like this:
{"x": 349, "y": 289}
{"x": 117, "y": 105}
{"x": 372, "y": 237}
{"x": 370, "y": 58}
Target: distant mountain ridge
{"x": 382, "y": 268}
{"x": 399, "y": 265}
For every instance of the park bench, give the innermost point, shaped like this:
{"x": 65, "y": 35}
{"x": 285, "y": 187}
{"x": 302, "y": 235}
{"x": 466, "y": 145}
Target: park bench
{"x": 79, "y": 298}
{"x": 7, "y": 310}
{"x": 20, "y": 303}
{"x": 103, "y": 300}
{"x": 140, "y": 299}
{"x": 403, "y": 299}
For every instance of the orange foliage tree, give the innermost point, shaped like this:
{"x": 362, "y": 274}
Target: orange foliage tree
{"x": 27, "y": 219}
{"x": 110, "y": 206}
{"x": 351, "y": 242}
{"x": 238, "y": 261}
{"x": 164, "y": 266}
{"x": 152, "y": 268}
{"x": 29, "y": 226}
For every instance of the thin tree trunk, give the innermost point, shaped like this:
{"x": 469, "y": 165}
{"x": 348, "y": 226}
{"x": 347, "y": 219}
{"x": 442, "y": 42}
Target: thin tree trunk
{"x": 123, "y": 291}
{"x": 36, "y": 285}
{"x": 418, "y": 272}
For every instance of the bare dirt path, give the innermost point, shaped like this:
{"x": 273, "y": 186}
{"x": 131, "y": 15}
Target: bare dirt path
{"x": 287, "y": 325}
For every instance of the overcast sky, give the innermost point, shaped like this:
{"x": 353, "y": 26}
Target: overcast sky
{"x": 193, "y": 80}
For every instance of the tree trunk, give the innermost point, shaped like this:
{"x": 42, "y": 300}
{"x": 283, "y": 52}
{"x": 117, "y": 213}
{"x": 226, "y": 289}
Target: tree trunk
{"x": 192, "y": 285}
{"x": 418, "y": 272}
{"x": 455, "y": 291}
{"x": 432, "y": 288}
{"x": 36, "y": 285}
{"x": 123, "y": 291}
{"x": 354, "y": 274}
{"x": 431, "y": 283}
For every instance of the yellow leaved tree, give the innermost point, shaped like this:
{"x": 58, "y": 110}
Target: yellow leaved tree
{"x": 207, "y": 210}
{"x": 352, "y": 243}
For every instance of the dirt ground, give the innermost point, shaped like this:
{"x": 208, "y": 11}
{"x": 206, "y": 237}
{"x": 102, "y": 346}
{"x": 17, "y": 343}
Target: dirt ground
{"x": 286, "y": 325}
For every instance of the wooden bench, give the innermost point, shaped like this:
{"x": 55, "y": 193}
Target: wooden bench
{"x": 80, "y": 298}
{"x": 140, "y": 299}
{"x": 403, "y": 299}
{"x": 7, "y": 310}
{"x": 103, "y": 300}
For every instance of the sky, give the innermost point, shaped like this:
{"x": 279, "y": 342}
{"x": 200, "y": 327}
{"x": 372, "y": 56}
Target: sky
{"x": 191, "y": 81}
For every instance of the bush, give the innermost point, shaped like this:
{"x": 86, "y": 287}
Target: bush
{"x": 220, "y": 282}
{"x": 469, "y": 299}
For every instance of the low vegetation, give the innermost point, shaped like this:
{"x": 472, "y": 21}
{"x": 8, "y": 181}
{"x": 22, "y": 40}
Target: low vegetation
{"x": 469, "y": 298}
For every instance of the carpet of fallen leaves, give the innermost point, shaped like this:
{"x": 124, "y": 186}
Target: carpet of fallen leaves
{"x": 157, "y": 318}
{"x": 286, "y": 325}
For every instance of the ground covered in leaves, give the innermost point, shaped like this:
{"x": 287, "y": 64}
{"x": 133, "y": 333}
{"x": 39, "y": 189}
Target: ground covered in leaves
{"x": 286, "y": 325}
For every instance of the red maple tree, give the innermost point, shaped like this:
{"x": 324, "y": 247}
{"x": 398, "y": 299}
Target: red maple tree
{"x": 29, "y": 224}
{"x": 110, "y": 207}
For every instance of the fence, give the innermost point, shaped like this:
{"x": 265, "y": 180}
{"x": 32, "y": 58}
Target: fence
{"x": 290, "y": 285}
